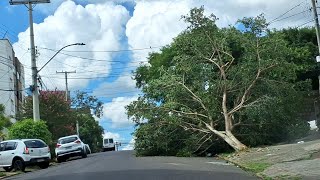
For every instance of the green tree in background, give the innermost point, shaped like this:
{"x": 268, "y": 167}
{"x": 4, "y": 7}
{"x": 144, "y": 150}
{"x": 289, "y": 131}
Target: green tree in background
{"x": 4, "y": 121}
{"x": 55, "y": 111}
{"x": 86, "y": 106}
{"x": 90, "y": 131}
{"x": 61, "y": 116}
{"x": 29, "y": 129}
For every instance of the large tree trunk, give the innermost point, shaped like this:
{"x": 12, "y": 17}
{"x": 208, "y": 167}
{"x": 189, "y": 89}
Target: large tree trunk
{"x": 229, "y": 138}
{"x": 233, "y": 141}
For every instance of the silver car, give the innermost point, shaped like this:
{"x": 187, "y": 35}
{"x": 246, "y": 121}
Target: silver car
{"x": 70, "y": 146}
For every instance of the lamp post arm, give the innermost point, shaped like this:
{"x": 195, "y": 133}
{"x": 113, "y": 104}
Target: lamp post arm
{"x": 79, "y": 44}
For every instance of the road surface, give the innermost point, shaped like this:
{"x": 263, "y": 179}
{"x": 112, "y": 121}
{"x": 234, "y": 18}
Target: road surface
{"x": 123, "y": 165}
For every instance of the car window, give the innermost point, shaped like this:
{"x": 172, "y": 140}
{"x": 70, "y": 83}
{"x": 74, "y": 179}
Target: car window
{"x": 2, "y": 146}
{"x": 105, "y": 141}
{"x": 10, "y": 146}
{"x": 110, "y": 140}
{"x": 67, "y": 140}
{"x": 34, "y": 144}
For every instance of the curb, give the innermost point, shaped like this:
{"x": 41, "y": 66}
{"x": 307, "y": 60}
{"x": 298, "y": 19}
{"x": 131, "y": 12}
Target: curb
{"x": 242, "y": 167}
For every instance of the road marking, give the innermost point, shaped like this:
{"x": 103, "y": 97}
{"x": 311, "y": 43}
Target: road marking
{"x": 219, "y": 163}
{"x": 176, "y": 164}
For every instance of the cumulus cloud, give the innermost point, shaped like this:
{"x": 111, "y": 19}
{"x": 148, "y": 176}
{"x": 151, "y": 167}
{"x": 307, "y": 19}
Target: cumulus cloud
{"x": 156, "y": 22}
{"x": 124, "y": 85}
{"x": 116, "y": 113}
{"x": 100, "y": 27}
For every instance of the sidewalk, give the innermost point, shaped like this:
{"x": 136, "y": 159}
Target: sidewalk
{"x": 289, "y": 161}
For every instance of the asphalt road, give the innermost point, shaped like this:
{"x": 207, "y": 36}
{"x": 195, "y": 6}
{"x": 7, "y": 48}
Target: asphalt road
{"x": 123, "y": 165}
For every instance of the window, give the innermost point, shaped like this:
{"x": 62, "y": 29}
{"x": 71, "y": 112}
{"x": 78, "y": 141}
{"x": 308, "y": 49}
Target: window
{"x": 10, "y": 146}
{"x": 35, "y": 144}
{"x": 67, "y": 140}
{"x": 2, "y": 145}
{"x": 110, "y": 140}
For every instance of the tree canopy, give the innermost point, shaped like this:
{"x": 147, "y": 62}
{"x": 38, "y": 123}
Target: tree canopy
{"x": 235, "y": 85}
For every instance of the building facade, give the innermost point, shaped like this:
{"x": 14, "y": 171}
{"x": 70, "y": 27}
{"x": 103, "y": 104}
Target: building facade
{"x": 12, "y": 82}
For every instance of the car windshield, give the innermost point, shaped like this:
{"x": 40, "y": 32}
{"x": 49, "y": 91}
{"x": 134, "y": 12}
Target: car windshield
{"x": 34, "y": 144}
{"x": 67, "y": 140}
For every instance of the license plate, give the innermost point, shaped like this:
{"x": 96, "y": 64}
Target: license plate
{"x": 68, "y": 147}
{"x": 40, "y": 160}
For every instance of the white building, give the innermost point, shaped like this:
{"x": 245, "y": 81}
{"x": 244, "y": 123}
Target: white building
{"x": 11, "y": 80}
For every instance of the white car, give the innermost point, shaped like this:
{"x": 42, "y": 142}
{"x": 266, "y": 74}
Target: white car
{"x": 17, "y": 154}
{"x": 70, "y": 146}
{"x": 108, "y": 144}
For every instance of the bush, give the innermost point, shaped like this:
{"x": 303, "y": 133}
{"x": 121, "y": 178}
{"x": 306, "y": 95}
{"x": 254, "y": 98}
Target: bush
{"x": 29, "y": 129}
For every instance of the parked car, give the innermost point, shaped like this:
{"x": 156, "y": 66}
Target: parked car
{"x": 17, "y": 154}
{"x": 70, "y": 146}
{"x": 88, "y": 150}
{"x": 108, "y": 144}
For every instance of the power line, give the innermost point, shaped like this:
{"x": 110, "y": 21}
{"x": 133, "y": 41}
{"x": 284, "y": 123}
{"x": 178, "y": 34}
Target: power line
{"x": 285, "y": 12}
{"x": 305, "y": 23}
{"x": 290, "y": 16}
{"x": 9, "y": 90}
{"x": 110, "y": 51}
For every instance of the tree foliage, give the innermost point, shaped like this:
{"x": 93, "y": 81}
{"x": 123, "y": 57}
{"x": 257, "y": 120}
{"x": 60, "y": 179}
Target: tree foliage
{"x": 55, "y": 111}
{"x": 85, "y": 103}
{"x": 29, "y": 129}
{"x": 90, "y": 131}
{"x": 233, "y": 84}
{"x": 61, "y": 116}
{"x": 4, "y": 121}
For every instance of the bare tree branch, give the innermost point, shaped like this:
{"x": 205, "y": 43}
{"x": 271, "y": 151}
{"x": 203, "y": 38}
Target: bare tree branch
{"x": 245, "y": 94}
{"x": 194, "y": 95}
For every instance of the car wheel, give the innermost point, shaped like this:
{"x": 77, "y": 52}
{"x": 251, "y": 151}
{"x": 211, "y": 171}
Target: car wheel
{"x": 84, "y": 154}
{"x": 8, "y": 169}
{"x": 44, "y": 165}
{"x": 18, "y": 165}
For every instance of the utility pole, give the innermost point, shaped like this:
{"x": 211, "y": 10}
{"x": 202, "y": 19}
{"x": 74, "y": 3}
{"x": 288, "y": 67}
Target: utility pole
{"x": 67, "y": 90}
{"x": 77, "y": 126}
{"x": 66, "y": 78}
{"x": 35, "y": 93}
{"x": 316, "y": 20}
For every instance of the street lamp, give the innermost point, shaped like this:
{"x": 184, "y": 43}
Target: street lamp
{"x": 75, "y": 44}
{"x": 36, "y": 112}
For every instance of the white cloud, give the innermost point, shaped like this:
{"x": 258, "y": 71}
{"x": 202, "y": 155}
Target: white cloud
{"x": 54, "y": 4}
{"x": 115, "y": 112}
{"x": 124, "y": 85}
{"x": 130, "y": 146}
{"x": 156, "y": 22}
{"x": 115, "y": 136}
{"x": 100, "y": 27}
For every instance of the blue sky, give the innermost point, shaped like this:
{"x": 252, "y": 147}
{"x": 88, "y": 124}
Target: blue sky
{"x": 118, "y": 35}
